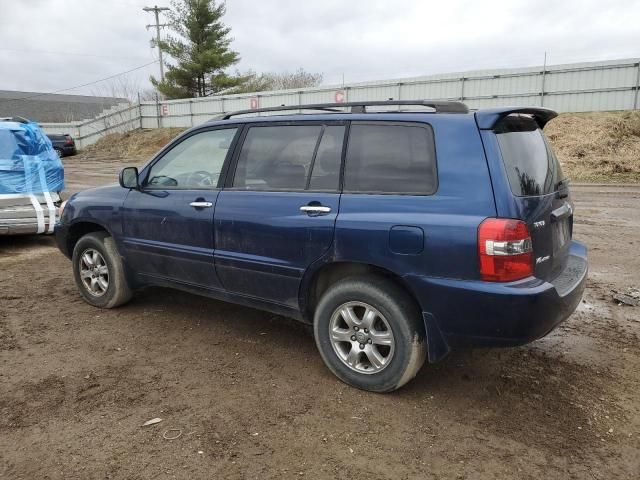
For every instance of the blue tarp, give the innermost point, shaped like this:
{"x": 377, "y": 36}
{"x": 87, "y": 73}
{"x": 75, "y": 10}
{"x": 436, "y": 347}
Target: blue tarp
{"x": 28, "y": 162}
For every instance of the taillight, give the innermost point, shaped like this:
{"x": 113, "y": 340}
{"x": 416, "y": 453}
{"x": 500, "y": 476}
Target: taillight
{"x": 505, "y": 250}
{"x": 69, "y": 141}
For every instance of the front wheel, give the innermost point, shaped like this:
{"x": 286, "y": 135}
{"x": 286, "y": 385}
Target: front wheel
{"x": 370, "y": 334}
{"x": 99, "y": 272}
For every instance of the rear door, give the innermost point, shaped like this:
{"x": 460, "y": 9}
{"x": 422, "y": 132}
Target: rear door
{"x": 277, "y": 213}
{"x": 539, "y": 191}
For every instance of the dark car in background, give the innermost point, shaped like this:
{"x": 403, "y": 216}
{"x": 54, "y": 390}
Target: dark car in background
{"x": 63, "y": 144}
{"x": 397, "y": 234}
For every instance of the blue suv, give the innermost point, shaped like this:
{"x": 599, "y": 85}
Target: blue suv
{"x": 398, "y": 229}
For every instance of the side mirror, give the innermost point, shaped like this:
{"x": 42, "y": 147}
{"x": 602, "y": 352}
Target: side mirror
{"x": 129, "y": 177}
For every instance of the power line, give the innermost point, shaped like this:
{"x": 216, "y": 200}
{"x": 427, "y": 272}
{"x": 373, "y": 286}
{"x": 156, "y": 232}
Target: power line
{"x": 79, "y": 86}
{"x": 66, "y": 53}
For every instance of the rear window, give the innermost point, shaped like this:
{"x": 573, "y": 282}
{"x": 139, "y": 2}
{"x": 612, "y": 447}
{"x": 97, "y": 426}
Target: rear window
{"x": 384, "y": 158}
{"x": 532, "y": 167}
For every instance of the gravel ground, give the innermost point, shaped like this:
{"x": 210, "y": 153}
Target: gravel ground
{"x": 249, "y": 397}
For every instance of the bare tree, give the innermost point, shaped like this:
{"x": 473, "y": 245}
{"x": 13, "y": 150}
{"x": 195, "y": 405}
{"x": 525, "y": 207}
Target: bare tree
{"x": 278, "y": 81}
{"x": 121, "y": 91}
{"x": 123, "y": 86}
{"x": 148, "y": 95}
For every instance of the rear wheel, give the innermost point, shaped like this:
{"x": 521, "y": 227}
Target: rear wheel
{"x": 59, "y": 152}
{"x": 99, "y": 272}
{"x": 370, "y": 334}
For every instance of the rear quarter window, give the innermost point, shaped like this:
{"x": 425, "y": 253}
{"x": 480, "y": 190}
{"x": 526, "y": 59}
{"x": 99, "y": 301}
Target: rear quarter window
{"x": 390, "y": 158}
{"x": 531, "y": 165}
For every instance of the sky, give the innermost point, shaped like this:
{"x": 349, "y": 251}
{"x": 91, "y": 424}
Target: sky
{"x": 51, "y": 45}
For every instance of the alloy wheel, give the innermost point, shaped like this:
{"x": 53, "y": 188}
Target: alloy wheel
{"x": 94, "y": 272}
{"x": 361, "y": 337}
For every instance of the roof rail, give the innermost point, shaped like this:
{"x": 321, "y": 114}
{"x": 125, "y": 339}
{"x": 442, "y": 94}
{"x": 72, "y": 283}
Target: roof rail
{"x": 440, "y": 106}
{"x": 15, "y": 119}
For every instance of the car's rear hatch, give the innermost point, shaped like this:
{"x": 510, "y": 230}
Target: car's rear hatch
{"x": 539, "y": 193}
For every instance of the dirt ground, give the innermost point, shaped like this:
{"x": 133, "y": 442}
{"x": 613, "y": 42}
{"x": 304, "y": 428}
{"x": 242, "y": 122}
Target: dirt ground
{"x": 249, "y": 397}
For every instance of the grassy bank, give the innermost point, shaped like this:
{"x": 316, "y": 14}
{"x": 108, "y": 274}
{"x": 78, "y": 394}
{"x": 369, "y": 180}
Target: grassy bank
{"x": 598, "y": 146}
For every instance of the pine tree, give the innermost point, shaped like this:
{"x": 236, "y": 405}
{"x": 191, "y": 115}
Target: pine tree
{"x": 201, "y": 51}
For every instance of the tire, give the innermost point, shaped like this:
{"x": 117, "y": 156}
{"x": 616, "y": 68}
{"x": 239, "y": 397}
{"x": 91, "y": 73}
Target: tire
{"x": 59, "y": 152}
{"x": 113, "y": 290}
{"x": 370, "y": 359}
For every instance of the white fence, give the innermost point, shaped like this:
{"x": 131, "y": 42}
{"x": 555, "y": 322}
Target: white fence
{"x": 577, "y": 87}
{"x": 89, "y": 131}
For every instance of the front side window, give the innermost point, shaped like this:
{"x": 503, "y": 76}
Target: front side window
{"x": 290, "y": 157}
{"x": 195, "y": 163}
{"x": 384, "y": 158}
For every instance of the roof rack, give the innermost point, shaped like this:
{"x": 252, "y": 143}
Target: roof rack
{"x": 440, "y": 106}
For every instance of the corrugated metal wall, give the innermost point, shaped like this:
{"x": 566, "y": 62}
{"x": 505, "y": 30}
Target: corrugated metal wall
{"x": 577, "y": 87}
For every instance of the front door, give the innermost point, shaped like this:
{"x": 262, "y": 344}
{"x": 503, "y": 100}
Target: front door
{"x": 277, "y": 212}
{"x": 168, "y": 222}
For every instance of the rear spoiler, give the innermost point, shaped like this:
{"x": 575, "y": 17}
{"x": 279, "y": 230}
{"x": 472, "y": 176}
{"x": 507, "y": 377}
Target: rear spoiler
{"x": 487, "y": 118}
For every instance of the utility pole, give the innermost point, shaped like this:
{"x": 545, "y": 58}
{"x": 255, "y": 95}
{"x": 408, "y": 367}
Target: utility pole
{"x": 156, "y": 9}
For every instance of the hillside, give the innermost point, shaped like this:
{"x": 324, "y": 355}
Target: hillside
{"x": 592, "y": 147}
{"x": 134, "y": 144}
{"x": 598, "y": 146}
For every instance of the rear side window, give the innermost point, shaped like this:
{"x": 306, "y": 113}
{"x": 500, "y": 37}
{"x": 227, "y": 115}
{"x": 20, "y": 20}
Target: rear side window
{"x": 325, "y": 174}
{"x": 384, "y": 158}
{"x": 290, "y": 157}
{"x": 532, "y": 167}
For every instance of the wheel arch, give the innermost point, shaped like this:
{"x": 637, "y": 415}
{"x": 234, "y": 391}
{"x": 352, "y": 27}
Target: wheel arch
{"x": 316, "y": 281}
{"x": 79, "y": 229}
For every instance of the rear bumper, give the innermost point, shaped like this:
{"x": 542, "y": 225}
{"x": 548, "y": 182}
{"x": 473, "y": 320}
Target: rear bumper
{"x": 470, "y": 312}
{"x": 65, "y": 148}
{"x": 69, "y": 150}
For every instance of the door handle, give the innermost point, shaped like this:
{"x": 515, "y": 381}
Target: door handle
{"x": 315, "y": 209}
{"x": 201, "y": 204}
